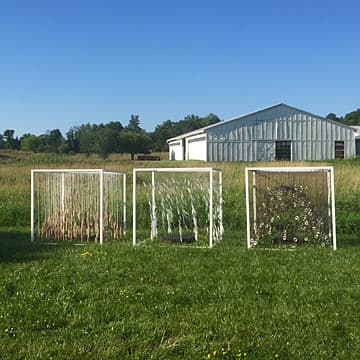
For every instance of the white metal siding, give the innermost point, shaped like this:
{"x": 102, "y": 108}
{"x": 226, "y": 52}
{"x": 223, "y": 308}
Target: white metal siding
{"x": 312, "y": 137}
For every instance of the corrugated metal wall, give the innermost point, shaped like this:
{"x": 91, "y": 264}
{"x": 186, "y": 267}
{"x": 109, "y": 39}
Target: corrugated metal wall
{"x": 253, "y": 137}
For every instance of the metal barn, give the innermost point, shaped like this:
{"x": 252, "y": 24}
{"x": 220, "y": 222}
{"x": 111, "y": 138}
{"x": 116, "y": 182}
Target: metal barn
{"x": 279, "y": 132}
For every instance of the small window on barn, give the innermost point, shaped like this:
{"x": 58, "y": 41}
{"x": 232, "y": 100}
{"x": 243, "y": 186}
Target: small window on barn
{"x": 283, "y": 150}
{"x": 339, "y": 149}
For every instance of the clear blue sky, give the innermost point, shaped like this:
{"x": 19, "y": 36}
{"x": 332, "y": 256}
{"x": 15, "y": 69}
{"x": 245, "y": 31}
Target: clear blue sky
{"x": 68, "y": 62}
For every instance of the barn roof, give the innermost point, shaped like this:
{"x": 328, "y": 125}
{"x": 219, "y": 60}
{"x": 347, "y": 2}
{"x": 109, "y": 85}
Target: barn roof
{"x": 203, "y": 129}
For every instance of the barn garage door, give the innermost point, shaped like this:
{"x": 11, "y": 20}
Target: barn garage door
{"x": 175, "y": 151}
{"x": 197, "y": 149}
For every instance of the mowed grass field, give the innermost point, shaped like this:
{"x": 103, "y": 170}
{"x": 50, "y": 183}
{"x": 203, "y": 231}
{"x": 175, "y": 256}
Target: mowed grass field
{"x": 164, "y": 301}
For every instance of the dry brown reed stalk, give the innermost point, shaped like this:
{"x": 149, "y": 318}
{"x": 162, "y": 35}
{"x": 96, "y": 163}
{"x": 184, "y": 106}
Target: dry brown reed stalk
{"x": 71, "y": 211}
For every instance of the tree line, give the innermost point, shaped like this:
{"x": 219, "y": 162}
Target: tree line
{"x": 113, "y": 137}
{"x": 351, "y": 118}
{"x": 104, "y": 139}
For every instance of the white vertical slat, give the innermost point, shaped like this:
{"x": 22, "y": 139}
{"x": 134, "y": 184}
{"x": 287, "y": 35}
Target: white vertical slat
{"x": 333, "y": 207}
{"x": 101, "y": 215}
{"x": 32, "y": 207}
{"x": 134, "y": 207}
{"x": 63, "y": 202}
{"x": 220, "y": 206}
{"x": 247, "y": 208}
{"x": 254, "y": 199}
{"x": 328, "y": 174}
{"x": 211, "y": 210}
{"x": 153, "y": 207}
{"x": 124, "y": 204}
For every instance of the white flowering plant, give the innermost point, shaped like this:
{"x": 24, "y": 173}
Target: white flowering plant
{"x": 287, "y": 217}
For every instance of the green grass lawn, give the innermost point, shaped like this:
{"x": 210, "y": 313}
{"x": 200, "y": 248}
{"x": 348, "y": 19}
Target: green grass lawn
{"x": 169, "y": 302}
{"x": 165, "y": 301}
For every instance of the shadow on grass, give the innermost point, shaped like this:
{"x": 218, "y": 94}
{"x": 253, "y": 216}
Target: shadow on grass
{"x": 348, "y": 240}
{"x": 15, "y": 246}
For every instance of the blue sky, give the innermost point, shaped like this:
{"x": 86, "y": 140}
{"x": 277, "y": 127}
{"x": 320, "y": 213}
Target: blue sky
{"x": 66, "y": 63}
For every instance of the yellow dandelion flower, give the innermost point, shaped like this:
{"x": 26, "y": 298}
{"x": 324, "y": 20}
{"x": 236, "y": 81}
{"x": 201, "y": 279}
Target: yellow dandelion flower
{"x": 86, "y": 253}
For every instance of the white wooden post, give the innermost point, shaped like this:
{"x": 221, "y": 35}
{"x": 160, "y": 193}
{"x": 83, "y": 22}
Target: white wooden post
{"x": 211, "y": 210}
{"x": 330, "y": 233}
{"x": 220, "y": 206}
{"x": 247, "y": 208}
{"x": 101, "y": 220}
{"x": 32, "y": 207}
{"x": 134, "y": 207}
{"x": 63, "y": 203}
{"x": 124, "y": 204}
{"x": 333, "y": 207}
{"x": 153, "y": 208}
